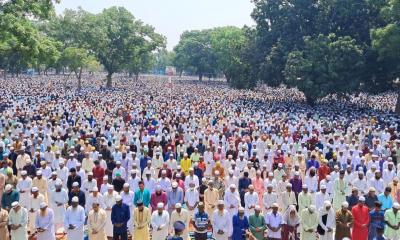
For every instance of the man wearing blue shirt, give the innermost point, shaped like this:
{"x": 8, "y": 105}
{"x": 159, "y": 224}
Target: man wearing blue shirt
{"x": 377, "y": 220}
{"x": 120, "y": 216}
{"x": 312, "y": 162}
{"x": 142, "y": 195}
{"x": 386, "y": 199}
{"x": 201, "y": 222}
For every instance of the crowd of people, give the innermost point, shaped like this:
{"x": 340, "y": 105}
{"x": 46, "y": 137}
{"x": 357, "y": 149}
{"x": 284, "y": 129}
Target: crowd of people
{"x": 151, "y": 160}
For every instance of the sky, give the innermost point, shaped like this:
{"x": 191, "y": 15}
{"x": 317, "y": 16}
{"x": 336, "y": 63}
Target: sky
{"x": 172, "y": 17}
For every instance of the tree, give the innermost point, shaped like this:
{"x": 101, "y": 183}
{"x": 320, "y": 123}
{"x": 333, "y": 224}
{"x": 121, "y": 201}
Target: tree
{"x": 226, "y": 45}
{"x": 19, "y": 38}
{"x": 162, "y": 59}
{"x": 326, "y": 65}
{"x": 115, "y": 37}
{"x": 194, "y": 52}
{"x": 76, "y": 59}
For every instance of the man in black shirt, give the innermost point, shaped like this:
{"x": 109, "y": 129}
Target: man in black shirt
{"x": 72, "y": 178}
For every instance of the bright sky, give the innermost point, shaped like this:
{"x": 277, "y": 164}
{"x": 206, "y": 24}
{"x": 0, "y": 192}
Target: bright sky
{"x": 172, "y": 17}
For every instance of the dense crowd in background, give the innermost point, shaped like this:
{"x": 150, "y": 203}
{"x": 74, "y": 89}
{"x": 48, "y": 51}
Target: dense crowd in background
{"x": 150, "y": 159}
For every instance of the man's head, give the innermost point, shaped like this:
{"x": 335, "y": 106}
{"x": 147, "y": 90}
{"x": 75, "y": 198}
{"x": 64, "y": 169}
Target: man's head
{"x": 75, "y": 202}
{"x": 118, "y": 200}
{"x": 221, "y": 205}
{"x": 361, "y": 201}
{"x": 160, "y": 208}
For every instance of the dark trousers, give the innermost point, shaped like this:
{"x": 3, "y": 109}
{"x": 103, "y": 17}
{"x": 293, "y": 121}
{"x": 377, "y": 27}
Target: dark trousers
{"x": 118, "y": 235}
{"x": 200, "y": 236}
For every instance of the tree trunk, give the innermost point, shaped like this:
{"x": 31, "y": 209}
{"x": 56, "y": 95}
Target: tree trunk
{"x": 109, "y": 80}
{"x": 397, "y": 110}
{"x": 200, "y": 77}
{"x": 136, "y": 76}
{"x": 80, "y": 80}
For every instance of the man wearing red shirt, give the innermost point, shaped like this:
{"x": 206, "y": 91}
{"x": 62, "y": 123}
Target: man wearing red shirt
{"x": 323, "y": 170}
{"x": 98, "y": 173}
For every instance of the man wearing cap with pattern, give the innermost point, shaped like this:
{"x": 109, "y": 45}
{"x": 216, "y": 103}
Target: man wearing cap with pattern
{"x": 180, "y": 214}
{"x": 58, "y": 201}
{"x": 24, "y": 186}
{"x": 141, "y": 221}
{"x": 74, "y": 220}
{"x": 222, "y": 222}
{"x": 96, "y": 222}
{"x": 34, "y": 205}
{"x": 44, "y": 223}
{"x": 160, "y": 222}
{"x": 17, "y": 222}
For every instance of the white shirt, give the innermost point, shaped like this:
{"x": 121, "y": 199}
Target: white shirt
{"x": 274, "y": 221}
{"x": 320, "y": 198}
{"x": 159, "y": 221}
{"x": 191, "y": 196}
{"x": 268, "y": 200}
{"x": 250, "y": 200}
{"x": 222, "y": 221}
{"x": 74, "y": 216}
{"x": 191, "y": 179}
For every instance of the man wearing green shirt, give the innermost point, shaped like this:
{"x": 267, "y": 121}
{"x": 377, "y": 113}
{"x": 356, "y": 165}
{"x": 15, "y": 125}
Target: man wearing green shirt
{"x": 142, "y": 194}
{"x": 392, "y": 220}
{"x": 257, "y": 224}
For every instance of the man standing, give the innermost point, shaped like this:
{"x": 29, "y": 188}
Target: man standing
{"x": 304, "y": 199}
{"x": 74, "y": 220}
{"x": 142, "y": 195}
{"x": 120, "y": 216}
{"x": 41, "y": 183}
{"x": 308, "y": 222}
{"x": 18, "y": 221}
{"x": 222, "y": 222}
{"x": 232, "y": 200}
{"x": 274, "y": 223}
{"x": 180, "y": 214}
{"x": 24, "y": 186}
{"x": 326, "y": 221}
{"x": 3, "y": 224}
{"x": 200, "y": 222}
{"x": 211, "y": 196}
{"x": 58, "y": 201}
{"x": 340, "y": 189}
{"x": 392, "y": 220}
{"x": 174, "y": 196}
{"x": 257, "y": 224}
{"x": 160, "y": 222}
{"x": 109, "y": 201}
{"x": 96, "y": 222}
{"x": 361, "y": 220}
{"x": 44, "y": 223}
{"x": 344, "y": 222}
{"x": 377, "y": 220}
{"x": 240, "y": 225}
{"x": 33, "y": 206}
{"x": 191, "y": 199}
{"x": 141, "y": 221}
{"x": 250, "y": 201}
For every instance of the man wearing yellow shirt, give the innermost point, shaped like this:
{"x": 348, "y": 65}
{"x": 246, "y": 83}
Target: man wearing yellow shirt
{"x": 186, "y": 164}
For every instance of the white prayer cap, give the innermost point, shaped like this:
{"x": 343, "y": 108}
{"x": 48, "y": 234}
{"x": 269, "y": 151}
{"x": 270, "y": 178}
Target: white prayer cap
{"x": 126, "y": 185}
{"x": 251, "y": 187}
{"x": 75, "y": 184}
{"x": 118, "y": 162}
{"x": 54, "y": 173}
{"x": 164, "y": 172}
{"x": 328, "y": 177}
{"x": 232, "y": 185}
{"x": 345, "y": 204}
{"x": 231, "y": 171}
{"x": 280, "y": 165}
{"x": 217, "y": 172}
{"x": 34, "y": 189}
{"x": 323, "y": 187}
{"x": 275, "y": 205}
{"x": 90, "y": 174}
{"x": 43, "y": 205}
{"x": 105, "y": 177}
{"x": 178, "y": 205}
{"x": 241, "y": 209}
{"x": 8, "y": 187}
{"x": 78, "y": 164}
{"x": 288, "y": 185}
{"x": 258, "y": 208}
{"x": 118, "y": 198}
{"x": 361, "y": 199}
{"x": 39, "y": 173}
{"x": 14, "y": 204}
{"x": 110, "y": 187}
{"x": 296, "y": 173}
{"x": 304, "y": 186}
{"x": 158, "y": 188}
{"x": 75, "y": 199}
{"x": 396, "y": 205}
{"x": 221, "y": 202}
{"x": 133, "y": 171}
{"x": 23, "y": 173}
{"x": 270, "y": 174}
{"x": 174, "y": 184}
{"x": 95, "y": 189}
{"x": 270, "y": 185}
{"x": 160, "y": 205}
